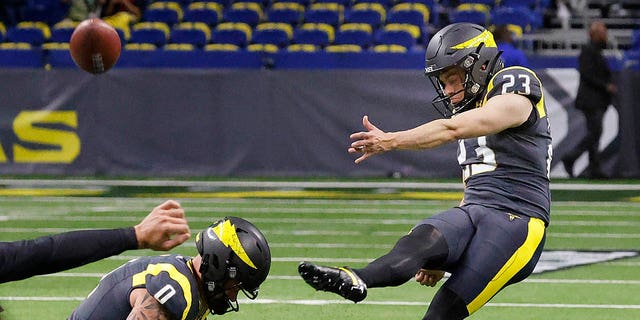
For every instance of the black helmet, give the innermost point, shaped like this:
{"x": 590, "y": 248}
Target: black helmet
{"x": 470, "y": 47}
{"x": 232, "y": 248}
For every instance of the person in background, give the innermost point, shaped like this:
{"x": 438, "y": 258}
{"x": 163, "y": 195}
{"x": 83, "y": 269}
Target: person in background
{"x": 595, "y": 93}
{"x": 511, "y": 55}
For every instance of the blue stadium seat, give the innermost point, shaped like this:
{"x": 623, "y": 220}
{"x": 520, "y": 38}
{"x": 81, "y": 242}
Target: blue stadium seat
{"x": 279, "y": 34}
{"x": 32, "y": 32}
{"x": 206, "y": 12}
{"x": 472, "y": 16}
{"x": 62, "y": 31}
{"x": 327, "y": 16}
{"x": 245, "y": 12}
{"x": 197, "y": 34}
{"x": 519, "y": 16}
{"x": 361, "y": 38}
{"x": 286, "y": 12}
{"x": 169, "y": 12}
{"x": 17, "y": 55}
{"x": 156, "y": 33}
{"x": 235, "y": 33}
{"x": 373, "y": 14}
{"x": 318, "y": 34}
{"x": 398, "y": 37}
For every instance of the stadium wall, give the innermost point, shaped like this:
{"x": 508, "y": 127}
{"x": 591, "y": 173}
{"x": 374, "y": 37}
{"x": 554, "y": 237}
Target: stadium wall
{"x": 252, "y": 122}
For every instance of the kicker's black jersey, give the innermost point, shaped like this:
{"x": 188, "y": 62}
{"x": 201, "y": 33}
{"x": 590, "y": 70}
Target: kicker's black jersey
{"x": 168, "y": 278}
{"x": 510, "y": 170}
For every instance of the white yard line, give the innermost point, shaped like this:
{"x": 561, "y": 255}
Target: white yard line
{"x": 379, "y": 303}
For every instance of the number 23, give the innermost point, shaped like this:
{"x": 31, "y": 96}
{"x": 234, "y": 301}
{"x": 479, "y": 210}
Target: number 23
{"x": 511, "y": 82}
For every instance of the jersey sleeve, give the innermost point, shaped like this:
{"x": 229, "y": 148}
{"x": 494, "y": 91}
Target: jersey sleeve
{"x": 516, "y": 80}
{"x": 171, "y": 288}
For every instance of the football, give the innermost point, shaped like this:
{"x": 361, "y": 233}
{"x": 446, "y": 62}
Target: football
{"x": 95, "y": 46}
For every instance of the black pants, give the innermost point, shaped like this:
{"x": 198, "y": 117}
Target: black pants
{"x": 590, "y": 141}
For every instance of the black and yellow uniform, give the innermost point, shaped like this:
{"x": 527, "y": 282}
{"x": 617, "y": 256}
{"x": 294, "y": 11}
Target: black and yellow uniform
{"x": 495, "y": 237}
{"x": 53, "y": 253}
{"x": 168, "y": 278}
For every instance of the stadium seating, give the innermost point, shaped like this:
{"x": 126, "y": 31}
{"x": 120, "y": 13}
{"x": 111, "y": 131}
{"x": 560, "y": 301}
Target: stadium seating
{"x": 318, "y": 34}
{"x": 197, "y": 34}
{"x": 263, "y": 47}
{"x": 373, "y": 14}
{"x": 398, "y": 36}
{"x": 286, "y": 12}
{"x": 61, "y": 31}
{"x": 342, "y": 48}
{"x": 206, "y": 12}
{"x": 276, "y": 33}
{"x": 327, "y": 13}
{"x": 411, "y": 13}
{"x": 235, "y": 33}
{"x": 168, "y": 12}
{"x": 32, "y": 32}
{"x": 156, "y": 33}
{"x": 245, "y": 12}
{"x": 20, "y": 55}
{"x": 515, "y": 16}
{"x": 360, "y": 34}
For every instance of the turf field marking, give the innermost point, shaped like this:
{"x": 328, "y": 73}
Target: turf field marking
{"x": 297, "y": 278}
{"x": 350, "y": 221}
{"x": 379, "y": 303}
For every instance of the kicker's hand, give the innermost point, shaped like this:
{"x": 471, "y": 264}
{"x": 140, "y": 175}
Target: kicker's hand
{"x": 368, "y": 143}
{"x": 164, "y": 228}
{"x": 429, "y": 277}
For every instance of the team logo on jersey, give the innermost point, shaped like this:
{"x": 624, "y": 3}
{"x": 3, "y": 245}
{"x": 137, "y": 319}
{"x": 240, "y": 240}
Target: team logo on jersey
{"x": 226, "y": 232}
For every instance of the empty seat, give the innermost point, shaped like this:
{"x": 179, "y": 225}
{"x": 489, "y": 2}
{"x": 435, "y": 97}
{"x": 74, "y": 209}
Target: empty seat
{"x": 206, "y": 12}
{"x": 245, "y": 12}
{"x": 156, "y": 33}
{"x": 318, "y": 34}
{"x": 341, "y": 48}
{"x": 395, "y": 36}
{"x": 221, "y": 47}
{"x": 277, "y": 33}
{"x": 303, "y": 47}
{"x": 61, "y": 31}
{"x": 473, "y": 16}
{"x": 32, "y": 32}
{"x": 519, "y": 16}
{"x": 390, "y": 48}
{"x": 168, "y": 12}
{"x": 197, "y": 34}
{"x": 373, "y": 14}
{"x": 263, "y": 47}
{"x": 236, "y": 33}
{"x": 286, "y": 12}
{"x": 323, "y": 15}
{"x": 359, "y": 34}
{"x": 412, "y": 13}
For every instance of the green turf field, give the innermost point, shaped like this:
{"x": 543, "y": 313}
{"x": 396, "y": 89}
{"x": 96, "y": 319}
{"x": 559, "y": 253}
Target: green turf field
{"x": 339, "y": 232}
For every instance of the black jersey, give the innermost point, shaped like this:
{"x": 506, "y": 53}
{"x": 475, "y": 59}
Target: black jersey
{"x": 168, "y": 278}
{"x": 510, "y": 170}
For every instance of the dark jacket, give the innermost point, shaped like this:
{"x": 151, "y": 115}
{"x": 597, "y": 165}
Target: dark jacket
{"x": 594, "y": 77}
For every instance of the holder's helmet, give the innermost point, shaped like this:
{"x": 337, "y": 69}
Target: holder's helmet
{"x": 470, "y": 47}
{"x": 232, "y": 248}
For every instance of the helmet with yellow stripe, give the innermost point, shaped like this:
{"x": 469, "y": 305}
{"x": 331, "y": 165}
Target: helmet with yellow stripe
{"x": 470, "y": 47}
{"x": 232, "y": 248}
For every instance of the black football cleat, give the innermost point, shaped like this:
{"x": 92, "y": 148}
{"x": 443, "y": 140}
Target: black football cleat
{"x": 342, "y": 280}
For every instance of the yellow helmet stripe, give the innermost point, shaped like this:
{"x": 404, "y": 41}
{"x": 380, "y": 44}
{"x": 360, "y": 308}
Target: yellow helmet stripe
{"x": 226, "y": 232}
{"x": 485, "y": 37}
